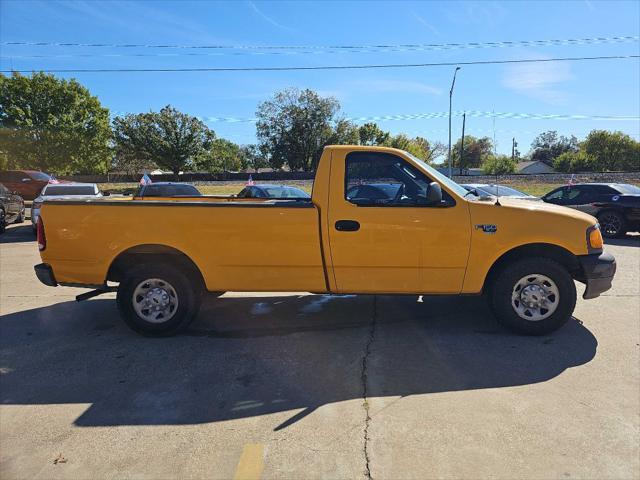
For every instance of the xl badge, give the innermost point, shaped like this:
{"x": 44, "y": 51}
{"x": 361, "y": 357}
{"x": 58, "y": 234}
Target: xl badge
{"x": 487, "y": 228}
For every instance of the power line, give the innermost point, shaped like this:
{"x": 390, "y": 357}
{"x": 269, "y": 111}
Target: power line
{"x": 425, "y": 46}
{"x": 437, "y": 115}
{"x": 305, "y": 50}
{"x": 324, "y": 67}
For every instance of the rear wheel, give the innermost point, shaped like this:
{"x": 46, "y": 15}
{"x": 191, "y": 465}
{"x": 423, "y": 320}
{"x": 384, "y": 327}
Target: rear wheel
{"x": 533, "y": 296}
{"x": 158, "y": 300}
{"x": 612, "y": 223}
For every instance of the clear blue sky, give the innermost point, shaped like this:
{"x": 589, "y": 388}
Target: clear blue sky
{"x": 610, "y": 87}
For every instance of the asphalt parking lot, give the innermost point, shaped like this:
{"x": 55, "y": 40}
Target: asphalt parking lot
{"x": 302, "y": 386}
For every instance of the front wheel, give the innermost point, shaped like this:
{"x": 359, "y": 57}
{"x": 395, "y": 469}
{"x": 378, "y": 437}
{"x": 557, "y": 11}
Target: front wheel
{"x": 3, "y": 221}
{"x": 612, "y": 223}
{"x": 533, "y": 296}
{"x": 158, "y": 300}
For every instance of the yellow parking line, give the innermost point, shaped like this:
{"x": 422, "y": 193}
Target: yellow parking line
{"x": 251, "y": 462}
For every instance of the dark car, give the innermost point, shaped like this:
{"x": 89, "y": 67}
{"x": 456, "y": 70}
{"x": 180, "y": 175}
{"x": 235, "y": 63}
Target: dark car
{"x": 615, "y": 205}
{"x": 11, "y": 208}
{"x": 26, "y": 183}
{"x": 167, "y": 189}
{"x": 272, "y": 191}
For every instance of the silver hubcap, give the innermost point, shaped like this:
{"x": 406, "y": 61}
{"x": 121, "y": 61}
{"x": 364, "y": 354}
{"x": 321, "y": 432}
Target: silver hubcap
{"x": 155, "y": 300}
{"x": 535, "y": 297}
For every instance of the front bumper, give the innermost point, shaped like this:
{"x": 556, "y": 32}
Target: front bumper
{"x": 598, "y": 271}
{"x": 44, "y": 272}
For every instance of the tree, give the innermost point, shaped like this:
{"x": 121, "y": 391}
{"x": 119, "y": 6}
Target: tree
{"x": 612, "y": 150}
{"x": 169, "y": 138}
{"x": 252, "y": 157}
{"x": 416, "y": 146}
{"x": 371, "y": 134}
{"x": 476, "y": 152}
{"x": 221, "y": 156}
{"x": 53, "y": 125}
{"x": 549, "y": 145}
{"x": 498, "y": 165}
{"x": 294, "y": 126}
{"x": 574, "y": 162}
{"x": 344, "y": 133}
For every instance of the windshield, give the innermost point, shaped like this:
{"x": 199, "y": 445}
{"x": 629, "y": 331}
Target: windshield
{"x": 51, "y": 190}
{"x": 437, "y": 176}
{"x": 285, "y": 192}
{"x": 627, "y": 189}
{"x": 40, "y": 176}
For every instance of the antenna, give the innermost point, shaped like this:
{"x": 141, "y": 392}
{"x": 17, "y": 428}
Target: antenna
{"x": 497, "y": 191}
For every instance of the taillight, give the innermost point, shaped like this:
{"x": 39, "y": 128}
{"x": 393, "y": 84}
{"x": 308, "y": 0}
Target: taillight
{"x": 42, "y": 238}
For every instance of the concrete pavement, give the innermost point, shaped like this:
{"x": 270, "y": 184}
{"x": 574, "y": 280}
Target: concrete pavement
{"x": 304, "y": 386}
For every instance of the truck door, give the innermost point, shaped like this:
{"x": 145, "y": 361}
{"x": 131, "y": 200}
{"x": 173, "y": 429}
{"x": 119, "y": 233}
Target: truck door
{"x": 382, "y": 236}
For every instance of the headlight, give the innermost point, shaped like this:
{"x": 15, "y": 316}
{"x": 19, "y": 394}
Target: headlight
{"x": 594, "y": 238}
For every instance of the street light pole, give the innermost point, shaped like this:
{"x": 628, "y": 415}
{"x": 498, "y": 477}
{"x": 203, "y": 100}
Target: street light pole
{"x": 450, "y": 100}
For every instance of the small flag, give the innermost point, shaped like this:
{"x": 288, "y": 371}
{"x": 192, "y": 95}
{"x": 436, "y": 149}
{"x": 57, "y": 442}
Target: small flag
{"x": 250, "y": 182}
{"x": 571, "y": 180}
{"x": 53, "y": 179}
{"x": 145, "y": 180}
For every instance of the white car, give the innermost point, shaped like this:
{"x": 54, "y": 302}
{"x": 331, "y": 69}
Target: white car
{"x": 69, "y": 191}
{"x": 485, "y": 189}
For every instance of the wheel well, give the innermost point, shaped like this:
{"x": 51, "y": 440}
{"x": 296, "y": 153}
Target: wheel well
{"x": 619, "y": 210}
{"x": 152, "y": 253}
{"x": 554, "y": 252}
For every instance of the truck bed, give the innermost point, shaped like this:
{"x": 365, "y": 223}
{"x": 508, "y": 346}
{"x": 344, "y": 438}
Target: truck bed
{"x": 238, "y": 244}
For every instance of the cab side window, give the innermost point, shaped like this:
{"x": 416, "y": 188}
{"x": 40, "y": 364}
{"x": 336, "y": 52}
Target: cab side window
{"x": 385, "y": 180}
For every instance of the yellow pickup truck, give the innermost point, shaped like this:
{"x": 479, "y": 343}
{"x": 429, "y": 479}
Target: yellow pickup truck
{"x": 380, "y": 221}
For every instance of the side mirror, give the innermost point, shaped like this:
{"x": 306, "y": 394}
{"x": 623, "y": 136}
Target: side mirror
{"x": 434, "y": 194}
{"x": 106, "y": 193}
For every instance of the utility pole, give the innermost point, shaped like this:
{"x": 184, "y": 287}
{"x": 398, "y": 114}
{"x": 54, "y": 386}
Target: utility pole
{"x": 514, "y": 144}
{"x": 450, "y": 100}
{"x": 464, "y": 118}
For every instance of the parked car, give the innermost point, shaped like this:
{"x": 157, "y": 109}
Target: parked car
{"x": 11, "y": 208}
{"x": 26, "y": 183}
{"x": 272, "y": 191}
{"x": 58, "y": 191}
{"x": 615, "y": 205}
{"x": 167, "y": 189}
{"x": 484, "y": 189}
{"x": 435, "y": 239}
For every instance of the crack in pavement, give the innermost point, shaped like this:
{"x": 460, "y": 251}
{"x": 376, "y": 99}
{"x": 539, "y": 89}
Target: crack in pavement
{"x": 363, "y": 378}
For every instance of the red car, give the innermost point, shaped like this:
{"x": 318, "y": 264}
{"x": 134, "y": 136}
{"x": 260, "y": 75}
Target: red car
{"x": 26, "y": 183}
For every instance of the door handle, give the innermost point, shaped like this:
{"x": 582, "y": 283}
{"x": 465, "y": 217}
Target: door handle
{"x": 347, "y": 226}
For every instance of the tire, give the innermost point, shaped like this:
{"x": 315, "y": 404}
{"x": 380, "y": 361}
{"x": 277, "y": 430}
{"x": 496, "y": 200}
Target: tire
{"x": 3, "y": 221}
{"x": 152, "y": 285}
{"x": 612, "y": 223}
{"x": 520, "y": 285}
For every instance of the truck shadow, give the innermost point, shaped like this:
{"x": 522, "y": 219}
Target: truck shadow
{"x": 245, "y": 357}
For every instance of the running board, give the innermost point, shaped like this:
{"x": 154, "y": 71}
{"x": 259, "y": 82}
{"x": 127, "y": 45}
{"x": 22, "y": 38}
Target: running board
{"x": 95, "y": 293}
